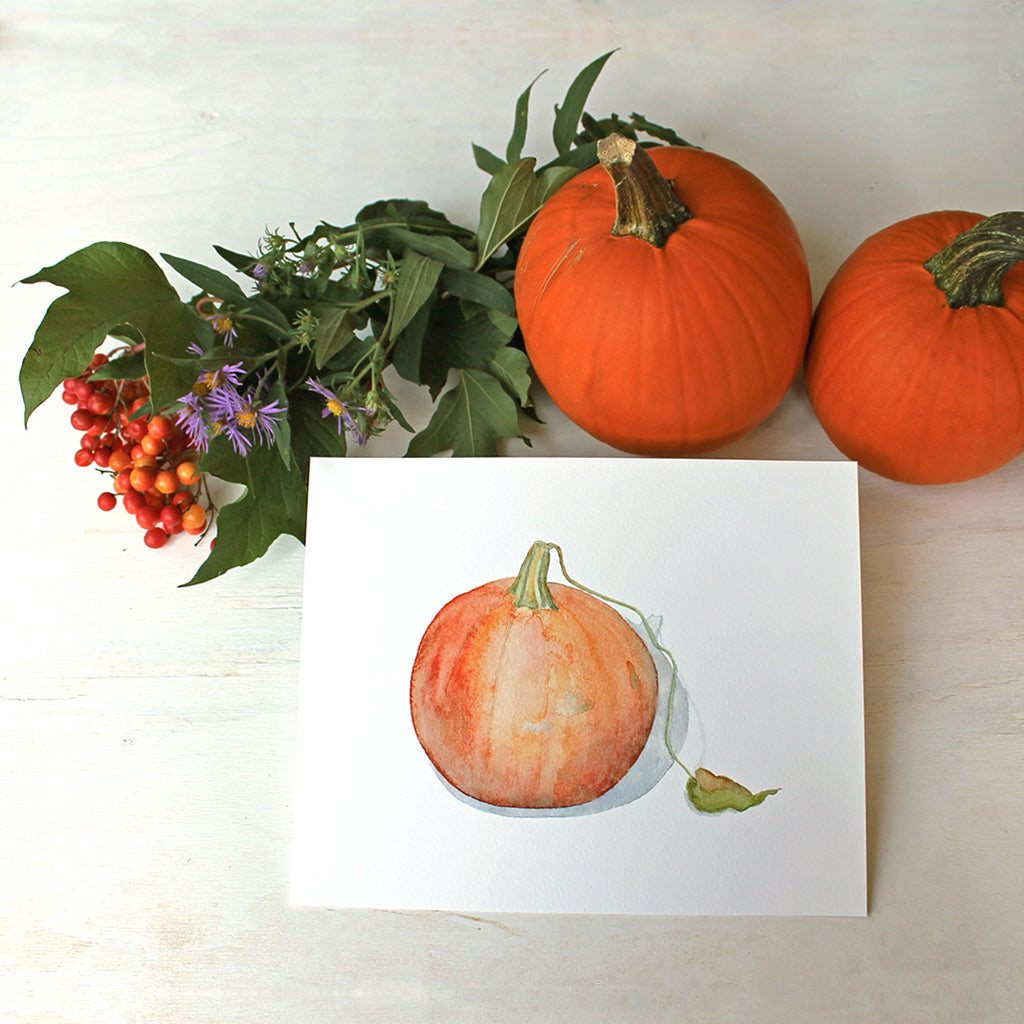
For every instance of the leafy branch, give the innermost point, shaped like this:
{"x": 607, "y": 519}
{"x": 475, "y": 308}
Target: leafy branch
{"x": 289, "y": 362}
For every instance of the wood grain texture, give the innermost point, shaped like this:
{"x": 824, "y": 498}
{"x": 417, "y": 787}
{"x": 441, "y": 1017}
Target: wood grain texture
{"x": 148, "y": 731}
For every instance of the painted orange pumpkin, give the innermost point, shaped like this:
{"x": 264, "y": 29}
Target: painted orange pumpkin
{"x": 915, "y": 367}
{"x": 664, "y": 299}
{"x": 530, "y": 694}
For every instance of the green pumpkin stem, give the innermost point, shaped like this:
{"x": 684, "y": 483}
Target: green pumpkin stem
{"x": 970, "y": 270}
{"x": 646, "y": 205}
{"x": 530, "y": 588}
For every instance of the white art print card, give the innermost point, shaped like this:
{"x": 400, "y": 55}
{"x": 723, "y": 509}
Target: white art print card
{"x": 625, "y": 686}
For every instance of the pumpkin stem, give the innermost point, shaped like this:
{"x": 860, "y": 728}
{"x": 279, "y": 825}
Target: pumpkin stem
{"x": 530, "y": 589}
{"x": 970, "y": 270}
{"x": 646, "y": 205}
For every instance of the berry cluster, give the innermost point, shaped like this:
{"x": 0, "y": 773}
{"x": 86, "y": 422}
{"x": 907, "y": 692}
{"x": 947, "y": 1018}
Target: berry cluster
{"x": 146, "y": 456}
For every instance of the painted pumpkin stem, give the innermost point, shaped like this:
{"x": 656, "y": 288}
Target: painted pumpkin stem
{"x": 646, "y": 205}
{"x": 970, "y": 270}
{"x": 530, "y": 589}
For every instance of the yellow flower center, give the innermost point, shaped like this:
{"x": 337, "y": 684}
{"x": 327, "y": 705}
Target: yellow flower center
{"x": 246, "y": 417}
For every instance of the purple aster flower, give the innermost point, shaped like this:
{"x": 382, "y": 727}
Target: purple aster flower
{"x": 259, "y": 417}
{"x": 225, "y": 326}
{"x": 335, "y": 406}
{"x": 234, "y": 434}
{"x": 192, "y": 420}
{"x": 224, "y": 401}
{"x": 209, "y": 380}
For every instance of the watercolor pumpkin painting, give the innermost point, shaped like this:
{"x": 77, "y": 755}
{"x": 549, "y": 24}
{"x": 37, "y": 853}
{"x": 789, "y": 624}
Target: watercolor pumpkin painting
{"x": 539, "y": 696}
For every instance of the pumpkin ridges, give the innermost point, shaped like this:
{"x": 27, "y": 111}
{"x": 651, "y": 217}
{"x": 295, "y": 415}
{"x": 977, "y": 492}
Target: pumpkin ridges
{"x": 622, "y": 388}
{"x": 912, "y": 389}
{"x": 478, "y": 634}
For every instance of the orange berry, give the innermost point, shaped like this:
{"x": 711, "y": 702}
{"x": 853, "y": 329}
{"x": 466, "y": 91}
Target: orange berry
{"x": 194, "y": 518}
{"x": 188, "y": 473}
{"x": 166, "y": 481}
{"x": 142, "y": 478}
{"x": 151, "y": 445}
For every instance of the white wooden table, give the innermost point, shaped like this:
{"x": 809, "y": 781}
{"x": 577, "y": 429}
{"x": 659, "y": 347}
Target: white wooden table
{"x": 147, "y": 731}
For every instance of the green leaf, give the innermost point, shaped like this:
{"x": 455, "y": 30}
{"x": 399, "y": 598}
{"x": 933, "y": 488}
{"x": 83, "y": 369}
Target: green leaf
{"x": 128, "y": 367}
{"x": 210, "y": 281}
{"x": 486, "y": 160}
{"x": 407, "y": 354}
{"x": 335, "y": 328}
{"x": 313, "y": 434}
{"x": 567, "y": 116}
{"x": 417, "y": 279}
{"x": 512, "y": 367}
{"x": 509, "y": 202}
{"x": 109, "y": 284}
{"x": 460, "y": 335}
{"x": 713, "y": 794}
{"x": 478, "y": 288}
{"x": 578, "y": 158}
{"x": 273, "y": 504}
{"x": 469, "y": 419}
{"x": 514, "y": 150}
{"x": 657, "y": 131}
{"x": 442, "y": 248}
{"x": 413, "y": 213}
{"x": 220, "y": 286}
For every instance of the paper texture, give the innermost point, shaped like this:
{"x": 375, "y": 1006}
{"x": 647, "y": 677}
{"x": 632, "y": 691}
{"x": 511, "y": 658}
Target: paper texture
{"x": 752, "y": 569}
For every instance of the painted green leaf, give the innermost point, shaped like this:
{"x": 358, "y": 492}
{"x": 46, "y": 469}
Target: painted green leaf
{"x": 109, "y": 284}
{"x": 713, "y": 794}
{"x": 469, "y": 419}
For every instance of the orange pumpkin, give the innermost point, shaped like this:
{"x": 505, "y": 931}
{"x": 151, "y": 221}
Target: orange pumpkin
{"x": 915, "y": 367}
{"x": 530, "y": 694}
{"x": 664, "y": 299}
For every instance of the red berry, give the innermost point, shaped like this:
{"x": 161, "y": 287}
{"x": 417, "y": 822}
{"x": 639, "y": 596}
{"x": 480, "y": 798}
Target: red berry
{"x": 107, "y": 501}
{"x": 170, "y": 519}
{"x": 82, "y": 419}
{"x": 69, "y": 397}
{"x": 101, "y": 456}
{"x": 147, "y": 517}
{"x": 101, "y": 403}
{"x": 135, "y": 429}
{"x": 83, "y": 457}
{"x": 133, "y": 502}
{"x": 155, "y": 537}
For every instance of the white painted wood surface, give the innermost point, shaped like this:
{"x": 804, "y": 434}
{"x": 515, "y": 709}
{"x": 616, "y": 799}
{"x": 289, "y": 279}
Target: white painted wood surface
{"x": 147, "y": 731}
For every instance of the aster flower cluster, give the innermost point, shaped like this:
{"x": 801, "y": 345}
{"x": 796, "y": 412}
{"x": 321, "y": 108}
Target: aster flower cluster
{"x": 222, "y": 402}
